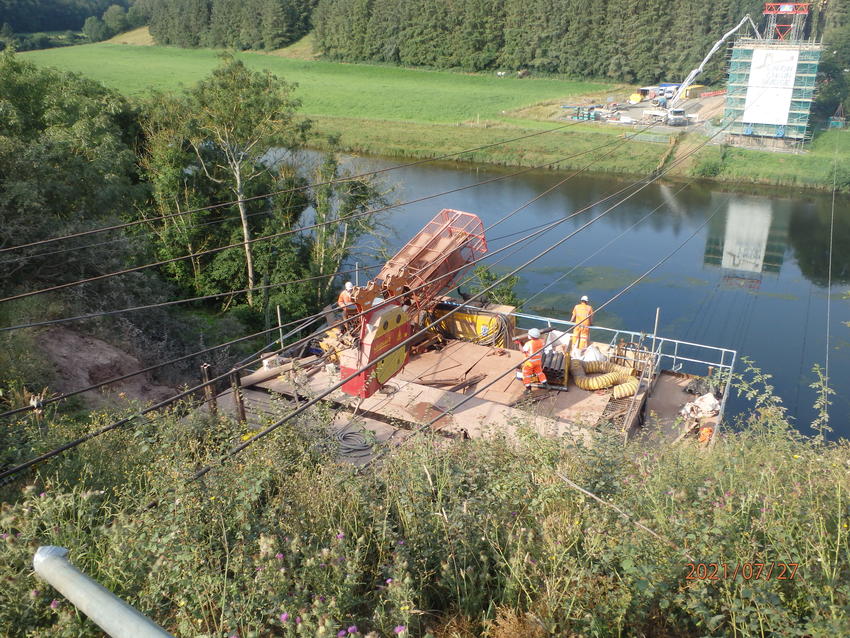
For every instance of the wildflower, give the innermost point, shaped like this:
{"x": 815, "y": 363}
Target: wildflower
{"x": 279, "y": 556}
{"x": 340, "y": 536}
{"x": 400, "y": 629}
{"x": 340, "y": 633}
{"x": 298, "y": 620}
{"x": 54, "y": 604}
{"x": 389, "y": 581}
{"x": 352, "y": 629}
{"x": 34, "y": 593}
{"x": 405, "y": 607}
{"x": 284, "y": 617}
{"x": 401, "y": 542}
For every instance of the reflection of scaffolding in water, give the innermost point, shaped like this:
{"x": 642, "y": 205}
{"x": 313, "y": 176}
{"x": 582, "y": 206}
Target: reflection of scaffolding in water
{"x": 752, "y": 240}
{"x": 740, "y": 281}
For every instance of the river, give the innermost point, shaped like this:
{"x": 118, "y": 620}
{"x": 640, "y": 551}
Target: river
{"x": 753, "y": 278}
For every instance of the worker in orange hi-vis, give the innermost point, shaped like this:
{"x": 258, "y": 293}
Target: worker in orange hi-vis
{"x": 532, "y": 370}
{"x": 583, "y": 317}
{"x": 345, "y": 301}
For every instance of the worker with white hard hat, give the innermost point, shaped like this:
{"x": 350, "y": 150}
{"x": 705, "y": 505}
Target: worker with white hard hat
{"x": 532, "y": 369}
{"x": 346, "y": 302}
{"x": 582, "y": 317}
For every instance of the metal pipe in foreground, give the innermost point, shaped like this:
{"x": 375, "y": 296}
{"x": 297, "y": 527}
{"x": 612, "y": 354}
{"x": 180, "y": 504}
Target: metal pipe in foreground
{"x": 105, "y": 609}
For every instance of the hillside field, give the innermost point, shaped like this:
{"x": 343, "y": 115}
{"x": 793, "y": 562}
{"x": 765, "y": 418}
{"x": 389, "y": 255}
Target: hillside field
{"x": 326, "y": 88}
{"x": 403, "y": 112}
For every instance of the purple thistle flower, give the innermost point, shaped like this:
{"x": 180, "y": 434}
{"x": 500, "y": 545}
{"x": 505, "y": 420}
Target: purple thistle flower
{"x": 340, "y": 536}
{"x": 400, "y": 629}
{"x": 284, "y": 617}
{"x": 278, "y": 556}
{"x": 389, "y": 581}
{"x": 352, "y": 629}
{"x": 401, "y": 542}
{"x": 340, "y": 633}
{"x": 298, "y": 620}
{"x": 54, "y": 604}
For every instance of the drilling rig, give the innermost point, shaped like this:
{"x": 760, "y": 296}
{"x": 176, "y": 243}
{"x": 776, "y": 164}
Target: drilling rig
{"x": 404, "y": 294}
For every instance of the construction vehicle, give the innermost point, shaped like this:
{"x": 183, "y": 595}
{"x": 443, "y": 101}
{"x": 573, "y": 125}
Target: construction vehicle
{"x": 469, "y": 357}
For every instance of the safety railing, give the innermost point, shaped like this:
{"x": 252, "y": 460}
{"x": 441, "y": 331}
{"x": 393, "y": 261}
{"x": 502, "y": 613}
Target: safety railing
{"x": 669, "y": 353}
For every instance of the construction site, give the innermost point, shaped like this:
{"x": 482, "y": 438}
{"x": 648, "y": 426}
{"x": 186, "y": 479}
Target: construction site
{"x": 404, "y": 357}
{"x": 769, "y": 93}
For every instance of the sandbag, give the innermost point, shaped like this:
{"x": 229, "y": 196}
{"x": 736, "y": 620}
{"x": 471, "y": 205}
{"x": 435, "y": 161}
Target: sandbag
{"x": 591, "y": 353}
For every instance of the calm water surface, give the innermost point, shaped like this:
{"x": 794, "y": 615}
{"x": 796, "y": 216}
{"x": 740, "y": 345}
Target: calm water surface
{"x": 752, "y": 279}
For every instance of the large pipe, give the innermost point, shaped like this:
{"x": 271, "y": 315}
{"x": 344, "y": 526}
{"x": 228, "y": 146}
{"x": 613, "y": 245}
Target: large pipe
{"x": 105, "y": 609}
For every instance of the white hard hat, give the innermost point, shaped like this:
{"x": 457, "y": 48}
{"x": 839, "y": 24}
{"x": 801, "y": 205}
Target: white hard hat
{"x": 534, "y": 333}
{"x": 349, "y": 285}
{"x": 584, "y": 298}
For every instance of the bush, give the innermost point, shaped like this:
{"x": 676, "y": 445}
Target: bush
{"x": 453, "y": 538}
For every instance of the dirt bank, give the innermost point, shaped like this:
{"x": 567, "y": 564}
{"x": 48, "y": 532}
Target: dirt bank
{"x": 79, "y": 361}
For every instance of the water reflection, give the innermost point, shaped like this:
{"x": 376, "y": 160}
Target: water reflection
{"x": 750, "y": 241}
{"x": 809, "y": 234}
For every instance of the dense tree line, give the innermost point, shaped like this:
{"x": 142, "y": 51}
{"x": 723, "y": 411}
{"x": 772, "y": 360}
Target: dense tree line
{"x": 75, "y": 155}
{"x": 236, "y": 24}
{"x": 619, "y": 39}
{"x": 26, "y": 16}
{"x": 116, "y": 19}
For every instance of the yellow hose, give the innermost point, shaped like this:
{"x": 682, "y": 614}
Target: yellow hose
{"x": 605, "y": 375}
{"x": 626, "y": 389}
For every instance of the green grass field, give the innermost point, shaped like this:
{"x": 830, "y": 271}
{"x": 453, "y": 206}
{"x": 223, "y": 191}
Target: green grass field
{"x": 326, "y": 88}
{"x": 402, "y": 112}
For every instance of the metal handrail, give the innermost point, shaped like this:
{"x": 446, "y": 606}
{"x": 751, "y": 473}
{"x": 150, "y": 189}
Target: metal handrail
{"x": 660, "y": 341}
{"x": 106, "y": 610}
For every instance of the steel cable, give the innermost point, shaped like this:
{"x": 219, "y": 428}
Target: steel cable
{"x": 617, "y": 141}
{"x": 287, "y": 190}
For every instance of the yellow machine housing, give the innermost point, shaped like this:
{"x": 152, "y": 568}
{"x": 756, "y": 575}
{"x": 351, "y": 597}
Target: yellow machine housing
{"x": 474, "y": 324}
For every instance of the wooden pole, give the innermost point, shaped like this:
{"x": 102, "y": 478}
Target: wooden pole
{"x": 280, "y": 326}
{"x": 209, "y": 391}
{"x": 237, "y": 397}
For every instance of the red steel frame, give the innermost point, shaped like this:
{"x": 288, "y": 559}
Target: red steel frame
{"x": 797, "y": 8}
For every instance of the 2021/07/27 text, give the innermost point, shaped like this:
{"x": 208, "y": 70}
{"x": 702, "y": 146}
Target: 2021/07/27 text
{"x": 747, "y": 571}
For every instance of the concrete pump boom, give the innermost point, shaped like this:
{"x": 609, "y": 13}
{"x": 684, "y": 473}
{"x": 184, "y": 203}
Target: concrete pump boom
{"x": 688, "y": 80}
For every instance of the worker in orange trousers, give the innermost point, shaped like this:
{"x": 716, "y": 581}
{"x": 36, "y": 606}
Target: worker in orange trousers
{"x": 532, "y": 370}
{"x": 583, "y": 318}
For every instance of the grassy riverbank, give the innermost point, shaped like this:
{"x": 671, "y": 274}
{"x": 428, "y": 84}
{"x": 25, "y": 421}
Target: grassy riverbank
{"x": 401, "y": 112}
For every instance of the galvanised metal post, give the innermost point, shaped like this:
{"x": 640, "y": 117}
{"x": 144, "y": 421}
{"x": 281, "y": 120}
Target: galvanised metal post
{"x": 104, "y": 608}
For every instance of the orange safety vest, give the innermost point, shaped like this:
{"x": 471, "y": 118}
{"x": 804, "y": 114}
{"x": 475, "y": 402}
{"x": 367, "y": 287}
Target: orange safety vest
{"x": 344, "y": 299}
{"x": 581, "y": 312}
{"x": 534, "y": 346}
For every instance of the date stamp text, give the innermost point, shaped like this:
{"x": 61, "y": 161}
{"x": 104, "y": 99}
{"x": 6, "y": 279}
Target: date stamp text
{"x": 747, "y": 571}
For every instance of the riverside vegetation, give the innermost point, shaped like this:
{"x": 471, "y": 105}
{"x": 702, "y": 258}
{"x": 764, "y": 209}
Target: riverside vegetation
{"x": 443, "y": 539}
